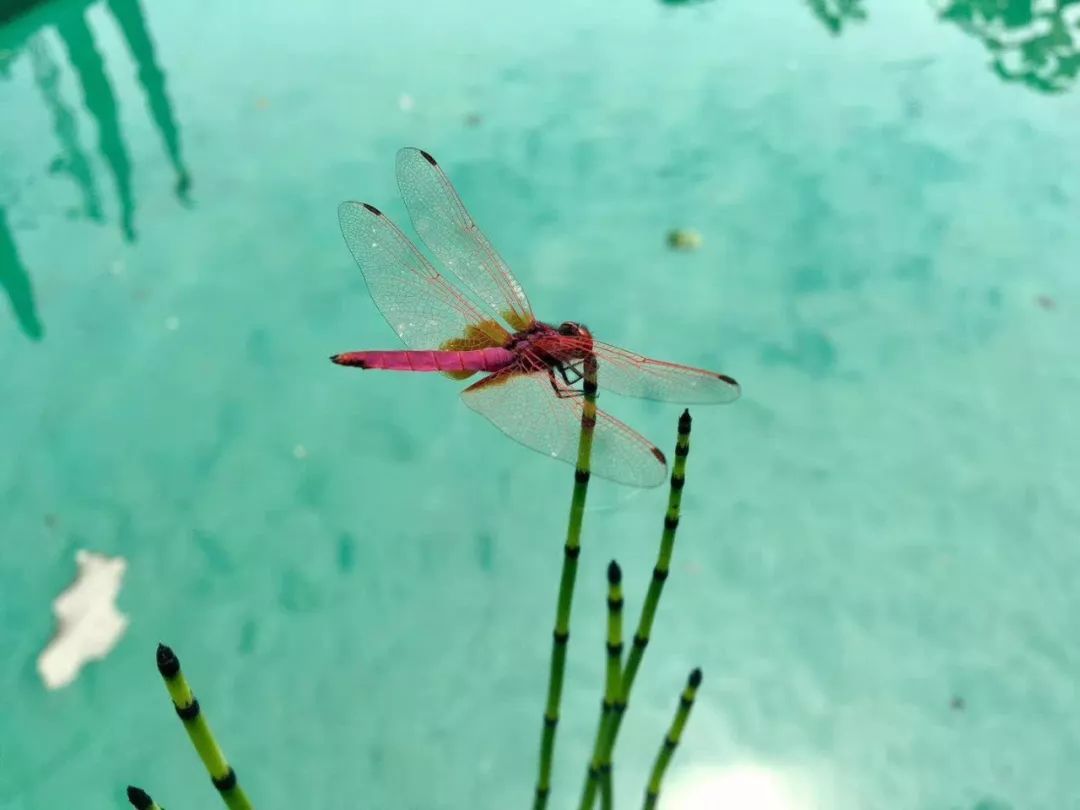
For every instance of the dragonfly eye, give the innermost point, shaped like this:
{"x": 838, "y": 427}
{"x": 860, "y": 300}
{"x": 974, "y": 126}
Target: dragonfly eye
{"x": 569, "y": 329}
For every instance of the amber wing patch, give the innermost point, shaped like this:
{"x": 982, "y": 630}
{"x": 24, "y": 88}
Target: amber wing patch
{"x": 486, "y": 335}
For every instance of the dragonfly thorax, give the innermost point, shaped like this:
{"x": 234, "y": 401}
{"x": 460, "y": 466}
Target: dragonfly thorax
{"x": 565, "y": 343}
{"x": 555, "y": 346}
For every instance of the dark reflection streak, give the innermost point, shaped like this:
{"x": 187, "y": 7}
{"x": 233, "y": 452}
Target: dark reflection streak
{"x": 15, "y": 281}
{"x": 1030, "y": 42}
{"x": 73, "y": 162}
{"x": 129, "y": 17}
{"x": 101, "y": 103}
{"x": 834, "y": 14}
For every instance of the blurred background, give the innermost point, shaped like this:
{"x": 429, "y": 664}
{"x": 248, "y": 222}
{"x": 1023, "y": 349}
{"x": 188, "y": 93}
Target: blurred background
{"x": 877, "y": 560}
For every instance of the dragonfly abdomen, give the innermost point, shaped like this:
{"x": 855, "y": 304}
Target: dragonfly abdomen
{"x": 489, "y": 359}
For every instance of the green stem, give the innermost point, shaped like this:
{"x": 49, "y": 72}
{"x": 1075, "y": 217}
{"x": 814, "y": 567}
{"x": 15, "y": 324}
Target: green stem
{"x": 652, "y": 597}
{"x": 671, "y": 740}
{"x": 140, "y": 799}
{"x": 571, "y": 551}
{"x": 221, "y": 774}
{"x": 599, "y": 773}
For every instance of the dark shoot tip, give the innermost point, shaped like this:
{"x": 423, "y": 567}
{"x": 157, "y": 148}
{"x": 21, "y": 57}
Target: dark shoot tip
{"x": 167, "y": 662}
{"x": 684, "y": 421}
{"x": 695, "y": 678}
{"x": 139, "y": 798}
{"x": 614, "y": 573}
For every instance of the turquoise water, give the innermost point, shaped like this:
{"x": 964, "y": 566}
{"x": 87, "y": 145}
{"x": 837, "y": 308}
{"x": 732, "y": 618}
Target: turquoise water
{"x": 877, "y": 561}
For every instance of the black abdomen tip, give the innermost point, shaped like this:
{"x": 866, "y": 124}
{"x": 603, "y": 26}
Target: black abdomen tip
{"x": 348, "y": 359}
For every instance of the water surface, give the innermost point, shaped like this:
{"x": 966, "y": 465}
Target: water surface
{"x": 877, "y": 562}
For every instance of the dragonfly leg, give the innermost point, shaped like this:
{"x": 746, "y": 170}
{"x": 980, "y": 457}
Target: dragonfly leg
{"x": 577, "y": 369}
{"x": 562, "y": 393}
{"x": 554, "y": 384}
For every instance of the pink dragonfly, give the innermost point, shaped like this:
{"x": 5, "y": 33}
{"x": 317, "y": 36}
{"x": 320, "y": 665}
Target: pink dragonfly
{"x": 531, "y": 368}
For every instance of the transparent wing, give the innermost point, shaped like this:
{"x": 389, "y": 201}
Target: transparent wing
{"x": 440, "y": 218}
{"x": 633, "y": 375}
{"x": 524, "y": 406}
{"x": 425, "y": 310}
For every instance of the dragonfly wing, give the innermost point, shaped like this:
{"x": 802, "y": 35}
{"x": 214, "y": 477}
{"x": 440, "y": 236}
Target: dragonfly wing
{"x": 524, "y": 406}
{"x": 441, "y": 220}
{"x": 633, "y": 375}
{"x": 424, "y": 309}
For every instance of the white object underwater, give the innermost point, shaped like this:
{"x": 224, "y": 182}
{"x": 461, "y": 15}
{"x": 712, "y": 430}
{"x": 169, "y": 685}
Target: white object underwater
{"x": 88, "y": 623}
{"x": 738, "y": 786}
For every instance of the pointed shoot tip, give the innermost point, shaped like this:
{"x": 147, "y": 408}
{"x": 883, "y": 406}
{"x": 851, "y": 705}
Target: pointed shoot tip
{"x": 167, "y": 662}
{"x": 614, "y": 573}
{"x": 139, "y": 798}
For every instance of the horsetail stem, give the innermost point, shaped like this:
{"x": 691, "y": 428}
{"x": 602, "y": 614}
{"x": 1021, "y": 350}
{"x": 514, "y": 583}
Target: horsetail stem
{"x": 613, "y": 677}
{"x": 572, "y": 550}
{"x": 663, "y": 561}
{"x": 671, "y": 740}
{"x": 140, "y": 799}
{"x": 187, "y": 707}
{"x": 606, "y": 736}
{"x": 599, "y": 771}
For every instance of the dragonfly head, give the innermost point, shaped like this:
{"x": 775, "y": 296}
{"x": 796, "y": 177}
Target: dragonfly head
{"x": 578, "y": 343}
{"x": 571, "y": 329}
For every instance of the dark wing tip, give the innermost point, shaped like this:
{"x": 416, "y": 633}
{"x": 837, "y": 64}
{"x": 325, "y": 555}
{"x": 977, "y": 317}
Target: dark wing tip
{"x": 427, "y": 157}
{"x": 372, "y": 209}
{"x": 734, "y": 384}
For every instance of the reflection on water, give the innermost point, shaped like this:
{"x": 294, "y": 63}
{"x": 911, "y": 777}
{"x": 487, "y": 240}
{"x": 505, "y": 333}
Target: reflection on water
{"x": 15, "y": 282}
{"x": 1036, "y": 43}
{"x": 753, "y": 785}
{"x": 739, "y": 786}
{"x": 100, "y": 102}
{"x": 835, "y": 14}
{"x": 70, "y": 24}
{"x": 129, "y": 17}
{"x": 72, "y": 160}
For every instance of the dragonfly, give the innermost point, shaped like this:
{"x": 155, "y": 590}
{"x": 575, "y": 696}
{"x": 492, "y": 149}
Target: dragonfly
{"x": 477, "y": 320}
